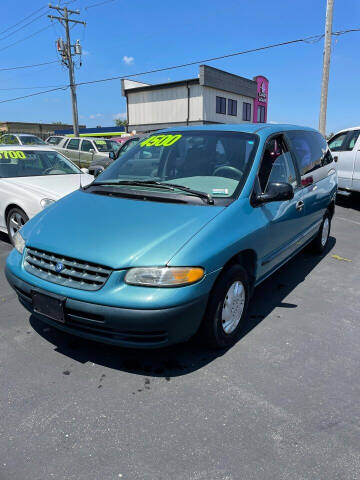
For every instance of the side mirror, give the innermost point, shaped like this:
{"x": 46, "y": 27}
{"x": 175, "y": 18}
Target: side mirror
{"x": 97, "y": 172}
{"x": 84, "y": 170}
{"x": 92, "y": 151}
{"x": 112, "y": 155}
{"x": 276, "y": 192}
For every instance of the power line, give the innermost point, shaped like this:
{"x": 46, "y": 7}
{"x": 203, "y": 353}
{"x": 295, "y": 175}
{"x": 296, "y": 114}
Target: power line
{"x": 196, "y": 62}
{"x": 98, "y": 4}
{"x": 23, "y": 26}
{"x": 28, "y": 66}
{"x": 18, "y": 23}
{"x": 25, "y": 38}
{"x": 34, "y": 94}
{"x": 32, "y": 88}
{"x": 243, "y": 52}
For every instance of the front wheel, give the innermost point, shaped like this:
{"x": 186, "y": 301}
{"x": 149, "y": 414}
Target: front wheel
{"x": 320, "y": 242}
{"x": 15, "y": 219}
{"x": 227, "y": 308}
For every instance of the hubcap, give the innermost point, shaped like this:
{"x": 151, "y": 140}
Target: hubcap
{"x": 233, "y": 307}
{"x": 325, "y": 232}
{"x": 16, "y": 221}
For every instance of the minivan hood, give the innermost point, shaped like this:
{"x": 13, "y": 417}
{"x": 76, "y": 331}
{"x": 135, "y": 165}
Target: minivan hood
{"x": 116, "y": 232}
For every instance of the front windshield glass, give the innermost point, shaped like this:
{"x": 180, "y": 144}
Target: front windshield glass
{"x": 105, "y": 145}
{"x": 34, "y": 163}
{"x": 31, "y": 140}
{"x": 214, "y": 162}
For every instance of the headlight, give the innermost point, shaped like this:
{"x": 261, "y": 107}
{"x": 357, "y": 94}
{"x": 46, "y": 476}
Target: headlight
{"x": 45, "y": 202}
{"x": 19, "y": 242}
{"x": 164, "y": 276}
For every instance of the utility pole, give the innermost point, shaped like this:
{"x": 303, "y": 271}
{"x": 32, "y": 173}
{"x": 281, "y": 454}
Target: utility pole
{"x": 326, "y": 66}
{"x": 67, "y": 53}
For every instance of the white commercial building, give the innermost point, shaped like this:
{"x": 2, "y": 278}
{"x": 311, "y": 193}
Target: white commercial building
{"x": 214, "y": 96}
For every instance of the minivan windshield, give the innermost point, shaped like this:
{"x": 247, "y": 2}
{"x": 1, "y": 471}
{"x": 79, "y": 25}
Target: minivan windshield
{"x": 213, "y": 162}
{"x": 34, "y": 163}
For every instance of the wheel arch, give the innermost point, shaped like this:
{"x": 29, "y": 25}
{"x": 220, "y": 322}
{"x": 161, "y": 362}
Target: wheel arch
{"x": 331, "y": 208}
{"x": 9, "y": 207}
{"x": 248, "y": 260}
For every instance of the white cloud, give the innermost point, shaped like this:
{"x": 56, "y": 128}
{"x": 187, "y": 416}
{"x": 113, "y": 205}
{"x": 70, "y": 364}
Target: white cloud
{"x": 128, "y": 60}
{"x": 119, "y": 116}
{"x": 96, "y": 115}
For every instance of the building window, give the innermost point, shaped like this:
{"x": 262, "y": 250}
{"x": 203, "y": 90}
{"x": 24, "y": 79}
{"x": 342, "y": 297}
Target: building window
{"x": 221, "y": 105}
{"x": 261, "y": 114}
{"x": 232, "y": 107}
{"x": 247, "y": 112}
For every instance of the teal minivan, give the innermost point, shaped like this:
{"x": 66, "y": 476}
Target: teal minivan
{"x": 172, "y": 238}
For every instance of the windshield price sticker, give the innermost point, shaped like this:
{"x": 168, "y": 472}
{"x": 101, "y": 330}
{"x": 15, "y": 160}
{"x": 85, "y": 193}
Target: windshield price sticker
{"x": 160, "y": 141}
{"x": 12, "y": 154}
{"x": 100, "y": 142}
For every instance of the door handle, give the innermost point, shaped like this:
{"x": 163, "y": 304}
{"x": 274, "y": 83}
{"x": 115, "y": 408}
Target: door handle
{"x": 299, "y": 205}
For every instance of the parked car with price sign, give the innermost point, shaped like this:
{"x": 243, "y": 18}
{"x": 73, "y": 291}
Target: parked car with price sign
{"x": 171, "y": 239}
{"x": 32, "y": 178}
{"x": 84, "y": 151}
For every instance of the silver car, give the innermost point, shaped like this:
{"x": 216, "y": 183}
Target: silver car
{"x": 83, "y": 151}
{"x": 20, "y": 139}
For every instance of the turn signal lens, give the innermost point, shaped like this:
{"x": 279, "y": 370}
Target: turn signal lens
{"x": 45, "y": 202}
{"x": 164, "y": 276}
{"x": 19, "y": 242}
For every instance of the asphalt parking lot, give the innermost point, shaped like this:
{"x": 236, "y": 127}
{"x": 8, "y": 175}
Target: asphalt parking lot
{"x": 283, "y": 403}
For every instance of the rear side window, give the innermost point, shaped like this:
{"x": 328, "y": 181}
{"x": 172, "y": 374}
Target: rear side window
{"x": 310, "y": 149}
{"x": 73, "y": 144}
{"x": 345, "y": 141}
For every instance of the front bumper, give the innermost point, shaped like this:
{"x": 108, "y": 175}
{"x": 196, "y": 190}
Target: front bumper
{"x": 128, "y": 327}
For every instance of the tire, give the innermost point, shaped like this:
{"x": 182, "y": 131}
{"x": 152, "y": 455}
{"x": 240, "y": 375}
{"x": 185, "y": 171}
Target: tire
{"x": 320, "y": 242}
{"x": 15, "y": 219}
{"x": 216, "y": 330}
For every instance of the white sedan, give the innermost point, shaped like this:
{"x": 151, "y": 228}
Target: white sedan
{"x": 31, "y": 178}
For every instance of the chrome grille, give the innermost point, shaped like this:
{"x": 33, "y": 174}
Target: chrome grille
{"x": 75, "y": 273}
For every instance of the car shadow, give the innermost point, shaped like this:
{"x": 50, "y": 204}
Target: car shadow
{"x": 187, "y": 357}
{"x": 349, "y": 201}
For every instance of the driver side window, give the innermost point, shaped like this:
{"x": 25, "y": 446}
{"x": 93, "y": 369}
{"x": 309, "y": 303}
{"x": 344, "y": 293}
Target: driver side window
{"x": 277, "y": 165}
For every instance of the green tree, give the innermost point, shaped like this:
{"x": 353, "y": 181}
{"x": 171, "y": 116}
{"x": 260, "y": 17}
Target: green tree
{"x": 120, "y": 123}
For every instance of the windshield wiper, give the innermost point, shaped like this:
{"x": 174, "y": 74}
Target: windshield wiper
{"x": 157, "y": 184}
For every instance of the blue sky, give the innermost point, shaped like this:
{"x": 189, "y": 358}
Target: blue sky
{"x": 128, "y": 37}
